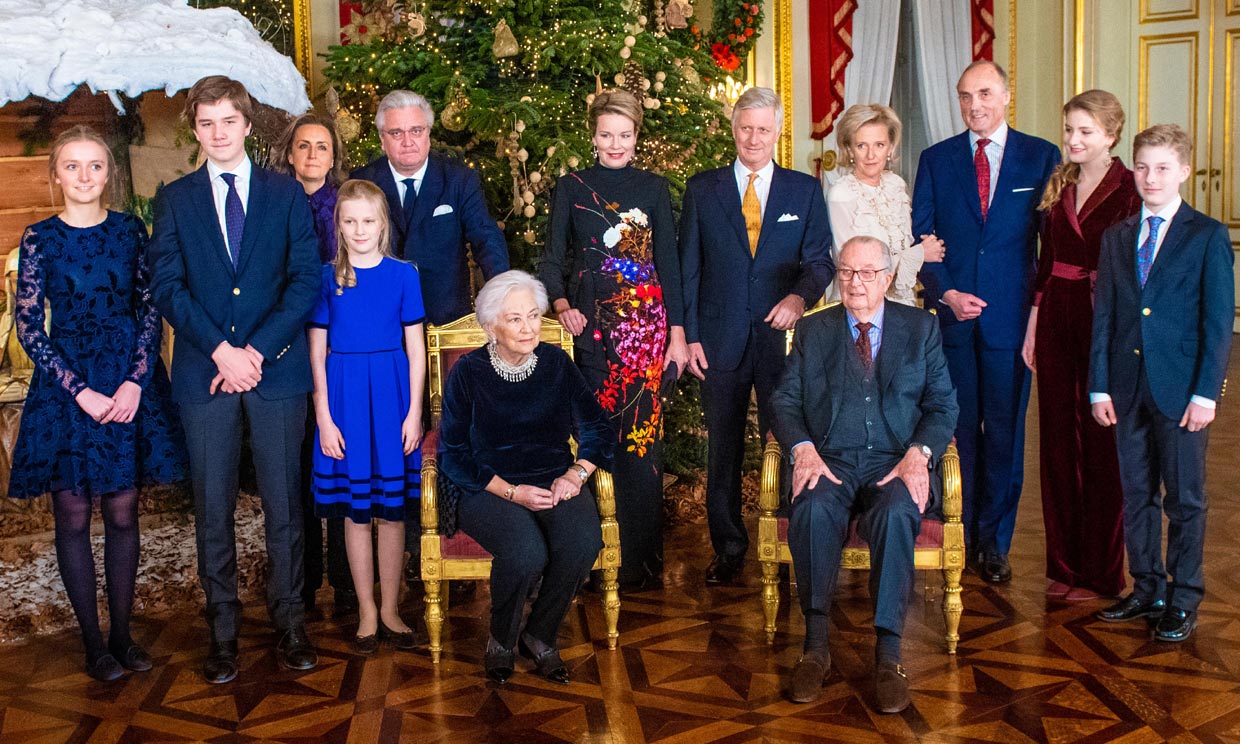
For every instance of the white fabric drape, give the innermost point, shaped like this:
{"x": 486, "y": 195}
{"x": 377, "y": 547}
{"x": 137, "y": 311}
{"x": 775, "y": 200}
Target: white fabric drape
{"x": 943, "y": 49}
{"x": 875, "y": 34}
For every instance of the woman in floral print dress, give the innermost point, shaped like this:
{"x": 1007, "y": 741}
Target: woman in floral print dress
{"x": 612, "y": 271}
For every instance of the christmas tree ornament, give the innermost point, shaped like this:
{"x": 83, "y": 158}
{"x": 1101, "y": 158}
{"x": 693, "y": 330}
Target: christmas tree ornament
{"x": 678, "y": 13}
{"x": 535, "y": 177}
{"x": 530, "y": 236}
{"x": 625, "y": 52}
{"x": 529, "y": 211}
{"x": 415, "y": 25}
{"x": 348, "y": 126}
{"x": 520, "y": 127}
{"x": 451, "y": 118}
{"x": 505, "y": 44}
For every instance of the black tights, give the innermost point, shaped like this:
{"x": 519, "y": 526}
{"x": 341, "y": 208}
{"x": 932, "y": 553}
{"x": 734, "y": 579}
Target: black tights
{"x": 77, "y": 564}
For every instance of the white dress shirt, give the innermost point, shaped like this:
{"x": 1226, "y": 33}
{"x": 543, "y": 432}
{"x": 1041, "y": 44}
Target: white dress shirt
{"x": 994, "y": 154}
{"x": 1167, "y": 213}
{"x": 219, "y": 190}
{"x": 761, "y": 185}
{"x": 417, "y": 180}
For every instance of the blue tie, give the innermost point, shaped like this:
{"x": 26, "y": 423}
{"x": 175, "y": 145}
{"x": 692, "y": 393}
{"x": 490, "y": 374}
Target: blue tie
{"x": 1145, "y": 254}
{"x": 234, "y": 217}
{"x": 410, "y": 195}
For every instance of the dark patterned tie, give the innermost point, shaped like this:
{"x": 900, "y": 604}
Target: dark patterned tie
{"x": 1145, "y": 254}
{"x": 411, "y": 194}
{"x": 982, "y": 165}
{"x": 234, "y": 217}
{"x": 863, "y": 344}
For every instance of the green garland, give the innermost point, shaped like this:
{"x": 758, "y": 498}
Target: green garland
{"x": 734, "y": 30}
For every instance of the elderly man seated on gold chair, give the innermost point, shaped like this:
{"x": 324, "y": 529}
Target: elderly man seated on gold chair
{"x": 509, "y": 410}
{"x": 865, "y": 407}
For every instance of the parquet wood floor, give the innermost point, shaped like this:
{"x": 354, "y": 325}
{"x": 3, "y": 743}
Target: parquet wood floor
{"x": 692, "y": 667}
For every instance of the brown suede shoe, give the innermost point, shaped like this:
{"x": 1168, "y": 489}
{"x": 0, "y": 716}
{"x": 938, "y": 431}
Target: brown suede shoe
{"x": 891, "y": 687}
{"x": 807, "y": 677}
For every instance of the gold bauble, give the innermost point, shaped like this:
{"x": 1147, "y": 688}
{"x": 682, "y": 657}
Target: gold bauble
{"x": 451, "y": 118}
{"x": 505, "y": 43}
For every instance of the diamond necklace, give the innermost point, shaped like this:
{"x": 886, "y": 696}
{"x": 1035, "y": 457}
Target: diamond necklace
{"x": 512, "y": 372}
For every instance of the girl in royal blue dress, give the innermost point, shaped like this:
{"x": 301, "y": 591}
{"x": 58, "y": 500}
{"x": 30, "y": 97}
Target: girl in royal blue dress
{"x": 368, "y": 404}
{"x": 97, "y": 422}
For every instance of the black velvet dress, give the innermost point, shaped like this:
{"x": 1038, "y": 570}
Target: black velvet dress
{"x": 611, "y": 252}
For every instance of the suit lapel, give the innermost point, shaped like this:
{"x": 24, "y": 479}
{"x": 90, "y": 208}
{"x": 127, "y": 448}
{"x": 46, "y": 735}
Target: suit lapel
{"x": 835, "y": 363}
{"x": 895, "y": 338}
{"x": 1009, "y": 171}
{"x": 429, "y": 193}
{"x": 1169, "y": 251}
{"x": 383, "y": 179}
{"x": 255, "y": 211}
{"x": 204, "y": 205}
{"x": 776, "y": 196}
{"x": 962, "y": 166}
{"x": 730, "y": 203}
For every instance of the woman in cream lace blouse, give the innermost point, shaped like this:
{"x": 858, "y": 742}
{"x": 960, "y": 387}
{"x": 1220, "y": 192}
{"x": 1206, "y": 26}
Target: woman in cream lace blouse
{"x": 872, "y": 200}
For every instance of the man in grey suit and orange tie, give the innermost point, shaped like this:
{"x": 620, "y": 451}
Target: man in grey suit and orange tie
{"x": 755, "y": 252}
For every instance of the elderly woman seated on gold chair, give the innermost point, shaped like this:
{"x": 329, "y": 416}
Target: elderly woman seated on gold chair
{"x": 509, "y": 410}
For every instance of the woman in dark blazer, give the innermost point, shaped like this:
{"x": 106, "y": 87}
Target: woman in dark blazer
{"x": 1082, "y": 500}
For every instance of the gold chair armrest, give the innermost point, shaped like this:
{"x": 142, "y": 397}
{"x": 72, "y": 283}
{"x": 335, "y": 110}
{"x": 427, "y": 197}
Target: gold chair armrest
{"x": 768, "y": 491}
{"x": 953, "y": 501}
{"x": 605, "y": 494}
{"x": 430, "y": 484}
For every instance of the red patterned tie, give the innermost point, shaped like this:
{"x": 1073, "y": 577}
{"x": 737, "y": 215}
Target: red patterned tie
{"x": 982, "y": 165}
{"x": 863, "y": 344}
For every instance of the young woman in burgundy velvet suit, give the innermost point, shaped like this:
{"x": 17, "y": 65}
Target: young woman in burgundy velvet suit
{"x": 1082, "y": 500}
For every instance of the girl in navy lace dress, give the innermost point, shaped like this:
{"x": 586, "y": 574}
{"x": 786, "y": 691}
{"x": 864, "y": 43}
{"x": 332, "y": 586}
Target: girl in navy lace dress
{"x": 368, "y": 403}
{"x": 97, "y": 421}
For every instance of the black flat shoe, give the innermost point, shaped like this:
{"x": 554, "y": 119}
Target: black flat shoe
{"x": 104, "y": 669}
{"x": 366, "y": 645}
{"x": 404, "y": 640}
{"x": 133, "y": 657}
{"x": 498, "y": 662}
{"x": 221, "y": 663}
{"x": 723, "y": 571}
{"x": 547, "y": 664}
{"x": 1175, "y": 625}
{"x": 1131, "y": 608}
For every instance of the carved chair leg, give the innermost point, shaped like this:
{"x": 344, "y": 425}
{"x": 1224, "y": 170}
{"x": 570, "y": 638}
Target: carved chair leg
{"x": 770, "y": 597}
{"x": 952, "y": 606}
{"x": 432, "y": 600}
{"x": 611, "y": 605}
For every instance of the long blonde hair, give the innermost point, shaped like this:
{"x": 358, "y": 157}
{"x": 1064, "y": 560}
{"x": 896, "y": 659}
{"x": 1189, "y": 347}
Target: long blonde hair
{"x": 353, "y": 190}
{"x": 1104, "y": 108}
{"x": 79, "y": 133}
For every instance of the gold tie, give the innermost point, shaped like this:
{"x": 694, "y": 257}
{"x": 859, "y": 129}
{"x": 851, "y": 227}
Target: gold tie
{"x": 753, "y": 215}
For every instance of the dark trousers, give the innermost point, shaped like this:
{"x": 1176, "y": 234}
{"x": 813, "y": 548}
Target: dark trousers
{"x": 1153, "y": 449}
{"x": 557, "y": 545}
{"x": 818, "y": 528}
{"x": 992, "y": 388}
{"x": 725, "y": 403}
{"x": 213, "y": 433}
{"x": 313, "y": 561}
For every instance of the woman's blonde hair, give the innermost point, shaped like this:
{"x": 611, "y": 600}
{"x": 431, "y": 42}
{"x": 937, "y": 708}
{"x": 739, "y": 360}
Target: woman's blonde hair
{"x": 354, "y": 190}
{"x": 620, "y": 102}
{"x": 857, "y": 116}
{"x": 79, "y": 133}
{"x": 1102, "y": 107}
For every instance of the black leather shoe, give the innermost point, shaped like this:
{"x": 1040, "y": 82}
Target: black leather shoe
{"x": 498, "y": 662}
{"x": 723, "y": 571}
{"x": 807, "y": 677}
{"x": 104, "y": 669}
{"x": 995, "y": 568}
{"x": 1131, "y": 608}
{"x": 366, "y": 645}
{"x": 133, "y": 657}
{"x": 221, "y": 663}
{"x": 1175, "y": 625}
{"x": 294, "y": 649}
{"x": 547, "y": 663}
{"x": 890, "y": 687}
{"x": 404, "y": 640}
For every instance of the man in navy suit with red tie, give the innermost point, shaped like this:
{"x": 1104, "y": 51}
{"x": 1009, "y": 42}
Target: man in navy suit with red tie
{"x": 235, "y": 270}
{"x": 755, "y": 252}
{"x": 978, "y": 192}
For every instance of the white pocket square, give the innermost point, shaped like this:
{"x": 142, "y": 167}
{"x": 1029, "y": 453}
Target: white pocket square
{"x": 442, "y": 209}
{"x": 1027, "y": 188}
{"x": 785, "y": 217}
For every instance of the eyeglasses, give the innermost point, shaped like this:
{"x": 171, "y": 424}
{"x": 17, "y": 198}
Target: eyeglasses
{"x": 400, "y": 134}
{"x": 865, "y": 275}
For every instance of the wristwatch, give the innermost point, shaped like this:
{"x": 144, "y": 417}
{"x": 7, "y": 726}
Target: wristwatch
{"x": 581, "y": 471}
{"x": 925, "y": 450}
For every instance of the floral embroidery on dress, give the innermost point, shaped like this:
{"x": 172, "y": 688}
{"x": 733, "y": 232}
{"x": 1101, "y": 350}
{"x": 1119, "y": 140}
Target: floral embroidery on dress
{"x": 634, "y": 319}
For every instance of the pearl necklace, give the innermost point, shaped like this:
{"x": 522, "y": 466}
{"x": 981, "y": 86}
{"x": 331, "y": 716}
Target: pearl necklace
{"x": 512, "y": 372}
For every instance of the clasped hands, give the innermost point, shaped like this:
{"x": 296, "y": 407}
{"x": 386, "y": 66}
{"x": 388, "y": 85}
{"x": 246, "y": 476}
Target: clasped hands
{"x": 120, "y": 407}
{"x": 240, "y": 369}
{"x": 538, "y": 499}
{"x": 912, "y": 469}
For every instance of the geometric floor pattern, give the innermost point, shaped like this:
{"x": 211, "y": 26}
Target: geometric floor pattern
{"x": 692, "y": 666}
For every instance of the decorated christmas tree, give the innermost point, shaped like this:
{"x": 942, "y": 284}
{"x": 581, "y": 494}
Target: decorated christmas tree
{"x": 511, "y": 82}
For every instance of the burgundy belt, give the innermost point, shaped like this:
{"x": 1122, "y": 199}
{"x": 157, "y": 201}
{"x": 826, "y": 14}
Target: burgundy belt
{"x": 1071, "y": 272}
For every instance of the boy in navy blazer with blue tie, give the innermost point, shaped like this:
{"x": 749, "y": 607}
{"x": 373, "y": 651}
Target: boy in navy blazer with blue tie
{"x": 1162, "y": 337}
{"x": 235, "y": 270}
